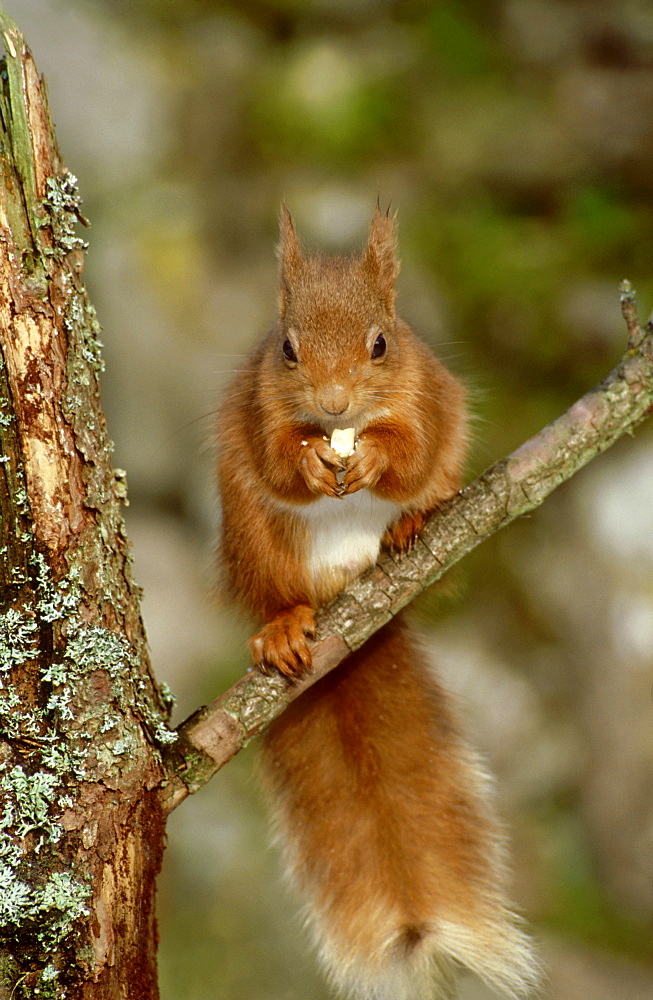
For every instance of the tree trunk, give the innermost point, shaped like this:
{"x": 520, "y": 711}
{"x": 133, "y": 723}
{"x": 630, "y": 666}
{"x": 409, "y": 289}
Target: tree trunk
{"x": 81, "y": 829}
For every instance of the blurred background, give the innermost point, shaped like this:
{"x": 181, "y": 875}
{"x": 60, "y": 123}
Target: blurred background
{"x": 515, "y": 139}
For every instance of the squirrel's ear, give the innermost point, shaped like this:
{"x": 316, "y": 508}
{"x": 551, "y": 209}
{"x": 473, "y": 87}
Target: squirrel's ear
{"x": 380, "y": 256}
{"x": 290, "y": 256}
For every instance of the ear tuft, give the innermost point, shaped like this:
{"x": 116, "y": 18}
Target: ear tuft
{"x": 380, "y": 256}
{"x": 290, "y": 256}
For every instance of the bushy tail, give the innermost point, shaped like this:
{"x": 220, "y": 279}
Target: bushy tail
{"x": 386, "y": 821}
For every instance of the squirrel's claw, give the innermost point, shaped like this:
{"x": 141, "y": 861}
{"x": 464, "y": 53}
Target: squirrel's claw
{"x": 402, "y": 535}
{"x": 282, "y": 643}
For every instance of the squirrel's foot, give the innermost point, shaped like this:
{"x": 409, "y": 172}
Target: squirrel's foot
{"x": 282, "y": 642}
{"x": 402, "y": 535}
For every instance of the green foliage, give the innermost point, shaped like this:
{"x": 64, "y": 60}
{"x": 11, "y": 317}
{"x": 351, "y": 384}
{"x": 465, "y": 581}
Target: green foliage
{"x": 319, "y": 104}
{"x": 602, "y": 225}
{"x": 459, "y": 43}
{"x": 580, "y": 907}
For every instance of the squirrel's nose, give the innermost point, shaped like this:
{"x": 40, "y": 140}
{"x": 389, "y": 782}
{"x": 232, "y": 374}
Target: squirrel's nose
{"x": 334, "y": 400}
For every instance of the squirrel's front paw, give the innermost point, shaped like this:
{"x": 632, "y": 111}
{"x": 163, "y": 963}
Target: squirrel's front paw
{"x": 319, "y": 465}
{"x": 282, "y": 642}
{"x": 402, "y": 535}
{"x": 366, "y": 466}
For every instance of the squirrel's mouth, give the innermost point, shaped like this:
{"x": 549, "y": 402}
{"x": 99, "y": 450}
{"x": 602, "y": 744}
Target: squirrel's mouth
{"x": 356, "y": 416}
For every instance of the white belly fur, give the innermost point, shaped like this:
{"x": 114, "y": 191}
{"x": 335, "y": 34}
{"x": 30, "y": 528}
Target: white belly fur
{"x": 345, "y": 533}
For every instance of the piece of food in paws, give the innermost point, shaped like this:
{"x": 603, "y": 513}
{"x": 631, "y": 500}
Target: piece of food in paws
{"x": 342, "y": 441}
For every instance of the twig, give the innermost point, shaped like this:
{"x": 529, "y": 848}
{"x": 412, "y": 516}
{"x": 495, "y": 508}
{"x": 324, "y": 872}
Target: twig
{"x": 509, "y": 489}
{"x": 629, "y": 313}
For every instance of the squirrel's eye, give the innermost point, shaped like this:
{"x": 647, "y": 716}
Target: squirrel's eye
{"x": 379, "y": 347}
{"x": 288, "y": 351}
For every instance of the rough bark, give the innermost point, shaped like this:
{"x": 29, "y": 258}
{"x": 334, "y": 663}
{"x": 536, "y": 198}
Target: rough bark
{"x": 81, "y": 829}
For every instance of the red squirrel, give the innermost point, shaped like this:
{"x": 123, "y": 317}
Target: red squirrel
{"x": 383, "y": 812}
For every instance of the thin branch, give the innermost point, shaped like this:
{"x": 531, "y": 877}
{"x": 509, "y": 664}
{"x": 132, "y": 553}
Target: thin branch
{"x": 509, "y": 489}
{"x": 629, "y": 313}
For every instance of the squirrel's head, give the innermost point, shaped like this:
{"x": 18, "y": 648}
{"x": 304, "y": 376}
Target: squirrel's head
{"x": 336, "y": 341}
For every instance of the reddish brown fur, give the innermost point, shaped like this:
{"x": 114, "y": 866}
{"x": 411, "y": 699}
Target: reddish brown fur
{"x": 411, "y": 452}
{"x": 370, "y": 739}
{"x": 381, "y": 808}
